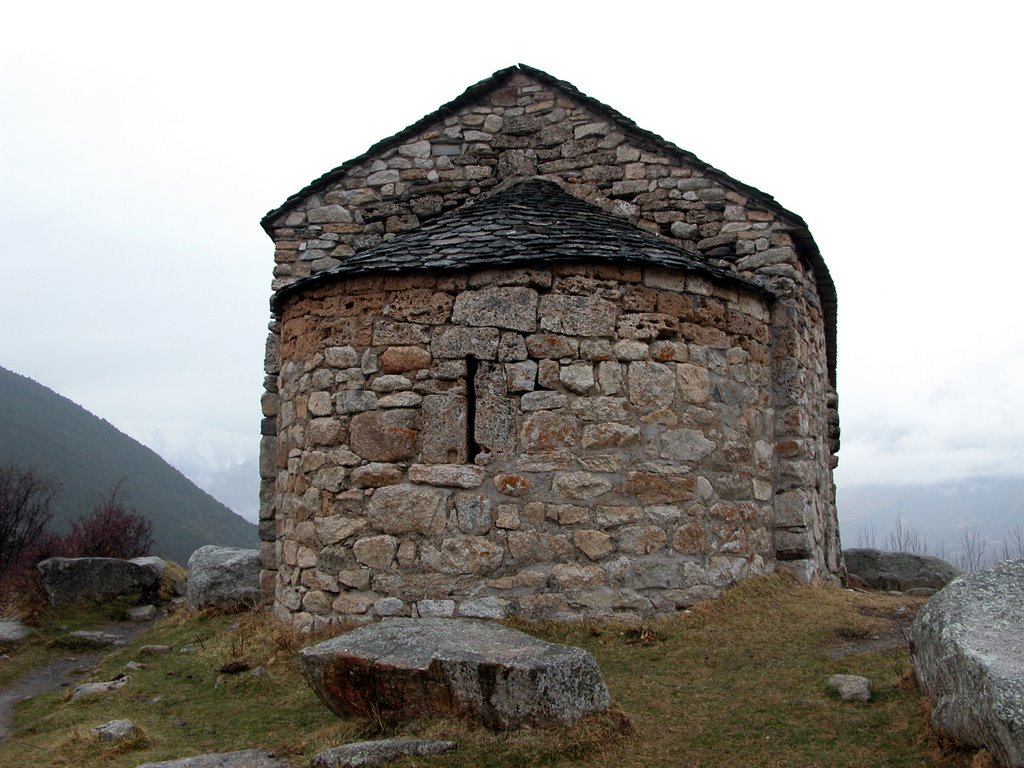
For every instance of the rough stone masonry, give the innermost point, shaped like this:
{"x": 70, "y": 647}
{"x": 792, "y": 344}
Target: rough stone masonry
{"x": 528, "y": 358}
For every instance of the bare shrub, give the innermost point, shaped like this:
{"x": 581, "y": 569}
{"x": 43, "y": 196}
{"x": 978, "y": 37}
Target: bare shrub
{"x": 25, "y": 501}
{"x": 866, "y": 536}
{"x": 1013, "y": 544}
{"x": 971, "y": 557}
{"x": 112, "y": 529}
{"x": 904, "y": 537}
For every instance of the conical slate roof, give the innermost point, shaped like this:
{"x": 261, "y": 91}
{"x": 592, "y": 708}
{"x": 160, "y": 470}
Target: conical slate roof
{"x": 530, "y": 222}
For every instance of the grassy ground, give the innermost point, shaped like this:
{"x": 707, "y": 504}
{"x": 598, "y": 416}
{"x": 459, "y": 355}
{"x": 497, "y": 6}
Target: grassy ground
{"x": 738, "y": 682}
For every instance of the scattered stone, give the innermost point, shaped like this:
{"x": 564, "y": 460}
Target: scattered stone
{"x": 248, "y": 758}
{"x": 74, "y": 579}
{"x": 368, "y": 753}
{"x": 967, "y": 646}
{"x": 408, "y": 668}
{"x": 85, "y": 690}
{"x": 223, "y": 577}
{"x": 850, "y": 687}
{"x": 899, "y": 571}
{"x": 13, "y": 631}
{"x": 101, "y": 639}
{"x": 142, "y": 613}
{"x": 116, "y": 730}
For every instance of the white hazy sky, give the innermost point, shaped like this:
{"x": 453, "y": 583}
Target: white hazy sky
{"x": 141, "y": 143}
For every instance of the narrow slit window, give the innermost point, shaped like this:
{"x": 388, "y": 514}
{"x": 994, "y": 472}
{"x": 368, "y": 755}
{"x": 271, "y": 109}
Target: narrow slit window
{"x": 472, "y": 446}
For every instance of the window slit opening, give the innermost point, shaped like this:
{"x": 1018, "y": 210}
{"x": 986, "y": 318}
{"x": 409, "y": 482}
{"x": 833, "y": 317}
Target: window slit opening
{"x": 472, "y": 446}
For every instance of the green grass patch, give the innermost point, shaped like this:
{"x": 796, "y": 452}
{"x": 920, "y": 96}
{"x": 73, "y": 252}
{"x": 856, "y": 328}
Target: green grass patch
{"x": 737, "y": 682}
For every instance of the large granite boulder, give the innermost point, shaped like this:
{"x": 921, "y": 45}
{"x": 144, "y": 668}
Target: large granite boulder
{"x": 967, "y": 645}
{"x": 901, "y": 571}
{"x": 403, "y": 669}
{"x": 223, "y": 577}
{"x": 74, "y": 579}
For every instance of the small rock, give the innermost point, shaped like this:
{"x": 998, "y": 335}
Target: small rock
{"x": 116, "y": 730}
{"x": 134, "y": 665}
{"x": 13, "y": 631}
{"x": 850, "y": 687}
{"x": 96, "y": 638}
{"x": 92, "y": 689}
{"x": 142, "y": 613}
{"x": 370, "y": 753}
{"x": 249, "y": 758}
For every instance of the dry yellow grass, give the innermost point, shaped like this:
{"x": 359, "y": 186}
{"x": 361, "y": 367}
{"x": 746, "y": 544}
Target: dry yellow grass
{"x": 738, "y": 682}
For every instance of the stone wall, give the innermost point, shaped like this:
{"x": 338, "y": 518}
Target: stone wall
{"x": 528, "y": 126}
{"x": 568, "y": 441}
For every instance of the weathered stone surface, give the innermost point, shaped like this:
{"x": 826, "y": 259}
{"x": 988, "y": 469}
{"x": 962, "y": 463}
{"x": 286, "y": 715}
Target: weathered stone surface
{"x": 88, "y": 690}
{"x": 513, "y": 308}
{"x": 223, "y": 577}
{"x": 404, "y": 508}
{"x": 364, "y": 754}
{"x": 685, "y": 445}
{"x": 651, "y": 385}
{"x": 96, "y": 637}
{"x": 69, "y": 580}
{"x": 376, "y": 474}
{"x": 384, "y": 435}
{"x": 459, "y": 342}
{"x": 409, "y": 668}
{"x": 116, "y": 730}
{"x": 850, "y": 687}
{"x": 248, "y": 758}
{"x": 580, "y": 485}
{"x": 898, "y": 570}
{"x": 577, "y": 315}
{"x": 447, "y": 475}
{"x": 578, "y": 377}
{"x": 401, "y": 359}
{"x": 967, "y": 646}
{"x": 13, "y": 631}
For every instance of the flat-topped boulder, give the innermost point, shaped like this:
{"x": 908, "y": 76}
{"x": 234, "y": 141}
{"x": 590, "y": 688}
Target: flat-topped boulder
{"x": 967, "y": 645}
{"x": 402, "y": 669}
{"x": 246, "y": 758}
{"x": 901, "y": 571}
{"x": 75, "y": 579}
{"x": 363, "y": 754}
{"x": 223, "y": 577}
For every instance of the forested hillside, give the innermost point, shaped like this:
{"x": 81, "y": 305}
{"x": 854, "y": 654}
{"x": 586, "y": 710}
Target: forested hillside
{"x": 45, "y": 432}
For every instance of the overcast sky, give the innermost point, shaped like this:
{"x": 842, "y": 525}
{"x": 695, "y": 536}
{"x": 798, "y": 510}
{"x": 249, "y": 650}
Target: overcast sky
{"x": 141, "y": 143}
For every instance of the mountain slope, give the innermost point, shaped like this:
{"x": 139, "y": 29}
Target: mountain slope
{"x": 45, "y": 432}
{"x": 940, "y": 512}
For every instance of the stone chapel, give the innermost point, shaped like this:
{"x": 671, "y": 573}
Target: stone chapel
{"x": 528, "y": 358}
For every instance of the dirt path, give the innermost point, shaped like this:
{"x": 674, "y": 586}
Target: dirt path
{"x": 59, "y": 674}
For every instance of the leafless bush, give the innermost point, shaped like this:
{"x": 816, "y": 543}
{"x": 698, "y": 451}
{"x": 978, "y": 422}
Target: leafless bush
{"x": 113, "y": 529}
{"x": 25, "y": 501}
{"x": 904, "y": 537}
{"x": 971, "y": 557}
{"x": 1013, "y": 544}
{"x": 866, "y": 536}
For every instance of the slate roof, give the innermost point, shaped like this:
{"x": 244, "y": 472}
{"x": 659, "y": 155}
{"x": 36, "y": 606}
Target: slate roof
{"x": 528, "y": 223}
{"x": 807, "y": 247}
